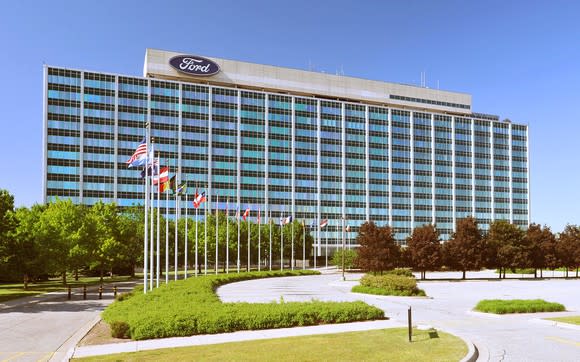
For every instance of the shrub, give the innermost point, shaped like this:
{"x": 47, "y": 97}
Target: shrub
{"x": 406, "y": 272}
{"x": 119, "y": 329}
{"x": 499, "y": 306}
{"x": 388, "y": 284}
{"x": 189, "y": 307}
{"x": 349, "y": 259}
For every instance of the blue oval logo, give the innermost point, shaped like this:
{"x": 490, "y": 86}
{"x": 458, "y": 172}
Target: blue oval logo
{"x": 194, "y": 65}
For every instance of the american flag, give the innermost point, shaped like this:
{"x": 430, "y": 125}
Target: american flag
{"x": 139, "y": 154}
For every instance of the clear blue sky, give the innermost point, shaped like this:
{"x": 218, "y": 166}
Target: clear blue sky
{"x": 518, "y": 59}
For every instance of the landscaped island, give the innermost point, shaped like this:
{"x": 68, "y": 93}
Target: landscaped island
{"x": 501, "y": 306}
{"x": 189, "y": 307}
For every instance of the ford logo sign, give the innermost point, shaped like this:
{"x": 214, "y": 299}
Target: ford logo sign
{"x": 194, "y": 65}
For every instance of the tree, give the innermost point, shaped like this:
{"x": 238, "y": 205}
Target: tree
{"x": 23, "y": 255}
{"x": 568, "y": 248}
{"x": 466, "y": 248}
{"x": 378, "y": 251}
{"x": 425, "y": 249}
{"x": 542, "y": 245}
{"x": 507, "y": 246}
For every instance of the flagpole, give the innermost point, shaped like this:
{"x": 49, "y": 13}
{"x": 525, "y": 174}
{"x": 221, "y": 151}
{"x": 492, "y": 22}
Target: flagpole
{"x": 238, "y": 217}
{"x": 205, "y": 242}
{"x": 176, "y": 232}
{"x": 158, "y": 230}
{"x": 186, "y": 233}
{"x": 314, "y": 251}
{"x": 248, "y": 220}
{"x": 259, "y": 238}
{"x": 281, "y": 242}
{"x": 326, "y": 249}
{"x": 292, "y": 233}
{"x": 270, "y": 228}
{"x": 228, "y": 236}
{"x": 151, "y": 236}
{"x": 146, "y": 226}
{"x": 343, "y": 226}
{"x": 196, "y": 222}
{"x": 217, "y": 216}
{"x": 303, "y": 245}
{"x": 167, "y": 236}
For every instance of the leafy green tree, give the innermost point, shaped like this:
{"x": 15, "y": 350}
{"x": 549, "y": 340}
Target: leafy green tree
{"x": 350, "y": 258}
{"x": 23, "y": 253}
{"x": 425, "y": 249}
{"x": 7, "y": 220}
{"x": 378, "y": 251}
{"x": 507, "y": 247}
{"x": 59, "y": 229}
{"x": 466, "y": 248}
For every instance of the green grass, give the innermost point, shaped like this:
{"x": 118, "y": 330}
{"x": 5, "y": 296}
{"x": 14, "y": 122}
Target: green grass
{"x": 15, "y": 291}
{"x": 571, "y": 319}
{"x": 389, "y": 284}
{"x": 499, "y": 306}
{"x": 190, "y": 307}
{"x": 376, "y": 345}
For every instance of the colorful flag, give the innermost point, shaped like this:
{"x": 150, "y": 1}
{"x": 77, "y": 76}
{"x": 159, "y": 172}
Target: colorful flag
{"x": 347, "y": 228}
{"x": 152, "y": 168}
{"x": 164, "y": 186}
{"x": 139, "y": 156}
{"x": 258, "y": 216}
{"x": 246, "y": 214}
{"x": 162, "y": 176}
{"x": 286, "y": 220}
{"x": 323, "y": 223}
{"x": 199, "y": 199}
{"x": 238, "y": 213}
{"x": 181, "y": 189}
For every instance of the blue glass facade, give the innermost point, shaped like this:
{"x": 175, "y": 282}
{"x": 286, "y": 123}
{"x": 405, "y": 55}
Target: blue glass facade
{"x": 284, "y": 153}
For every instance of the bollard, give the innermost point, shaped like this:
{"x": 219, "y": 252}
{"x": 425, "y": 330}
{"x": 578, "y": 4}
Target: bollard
{"x": 101, "y": 292}
{"x": 69, "y": 292}
{"x": 115, "y": 291}
{"x": 410, "y": 324}
{"x": 84, "y": 292}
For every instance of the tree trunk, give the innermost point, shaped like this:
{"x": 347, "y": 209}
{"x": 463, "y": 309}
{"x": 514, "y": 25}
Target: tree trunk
{"x": 500, "y": 272}
{"x": 76, "y": 274}
{"x": 541, "y": 273}
{"x": 535, "y": 273}
{"x": 101, "y": 272}
{"x": 463, "y": 275}
{"x": 64, "y": 277}
{"x": 25, "y": 281}
{"x": 576, "y": 272}
{"x": 133, "y": 271}
{"x": 566, "y": 272}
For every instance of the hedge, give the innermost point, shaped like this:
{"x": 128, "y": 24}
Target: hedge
{"x": 190, "y": 307}
{"x": 388, "y": 284}
{"x": 505, "y": 306}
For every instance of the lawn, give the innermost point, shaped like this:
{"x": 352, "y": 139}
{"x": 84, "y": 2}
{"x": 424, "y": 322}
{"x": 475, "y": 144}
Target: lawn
{"x": 499, "y": 306}
{"x": 14, "y": 291}
{"x": 572, "y": 319}
{"x": 375, "y": 345}
{"x": 190, "y": 307}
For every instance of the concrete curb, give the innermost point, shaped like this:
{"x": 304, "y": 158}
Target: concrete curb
{"x": 556, "y": 324}
{"x": 240, "y": 336}
{"x": 472, "y": 351}
{"x": 66, "y": 350}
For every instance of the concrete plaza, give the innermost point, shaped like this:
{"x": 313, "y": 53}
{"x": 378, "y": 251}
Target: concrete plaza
{"x": 523, "y": 337}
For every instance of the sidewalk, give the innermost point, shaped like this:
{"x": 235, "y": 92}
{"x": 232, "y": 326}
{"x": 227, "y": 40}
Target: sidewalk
{"x": 136, "y": 346}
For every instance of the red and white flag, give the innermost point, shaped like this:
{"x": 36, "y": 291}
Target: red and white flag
{"x": 246, "y": 214}
{"x": 162, "y": 177}
{"x": 199, "y": 199}
{"x": 323, "y": 223}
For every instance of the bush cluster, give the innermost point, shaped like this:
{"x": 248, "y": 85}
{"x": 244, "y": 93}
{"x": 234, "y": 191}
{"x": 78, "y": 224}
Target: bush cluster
{"x": 500, "y": 306}
{"x": 406, "y": 272}
{"x": 388, "y": 284}
{"x": 190, "y": 307}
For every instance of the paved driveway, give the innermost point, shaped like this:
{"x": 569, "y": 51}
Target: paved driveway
{"x": 523, "y": 337}
{"x": 43, "y": 328}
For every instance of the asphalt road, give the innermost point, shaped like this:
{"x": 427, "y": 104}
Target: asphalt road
{"x": 43, "y": 328}
{"x": 524, "y": 337}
